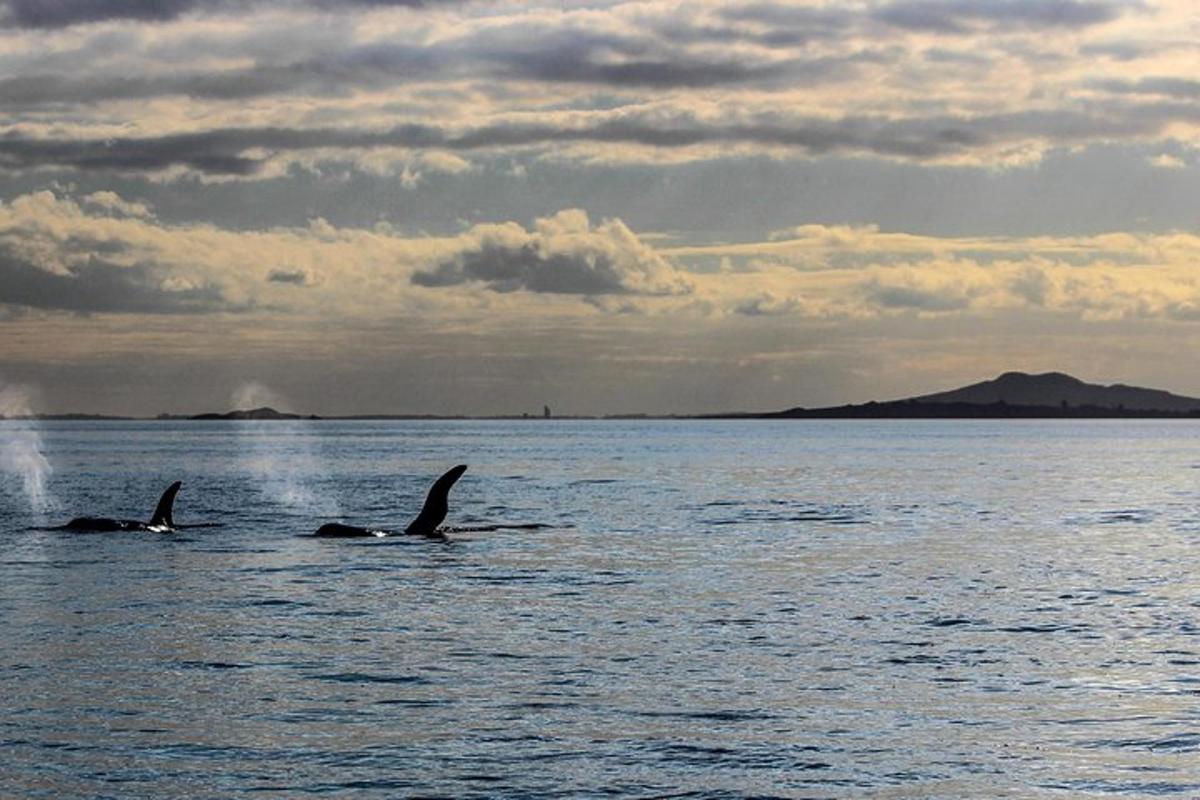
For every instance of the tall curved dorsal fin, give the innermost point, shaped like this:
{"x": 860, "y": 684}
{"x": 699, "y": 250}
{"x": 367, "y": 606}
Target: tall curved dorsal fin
{"x": 162, "y": 513}
{"x": 436, "y": 504}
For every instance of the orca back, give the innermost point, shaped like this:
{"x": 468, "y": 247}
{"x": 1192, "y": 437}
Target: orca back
{"x": 336, "y": 530}
{"x": 97, "y": 525}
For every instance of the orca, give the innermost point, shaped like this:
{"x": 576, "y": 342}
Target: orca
{"x": 161, "y": 522}
{"x": 426, "y": 524}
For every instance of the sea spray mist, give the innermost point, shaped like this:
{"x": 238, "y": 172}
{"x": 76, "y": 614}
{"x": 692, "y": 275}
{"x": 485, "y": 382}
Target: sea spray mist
{"x": 22, "y": 453}
{"x": 282, "y": 455}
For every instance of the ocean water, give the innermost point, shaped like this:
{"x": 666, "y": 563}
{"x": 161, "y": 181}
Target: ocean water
{"x": 716, "y": 609}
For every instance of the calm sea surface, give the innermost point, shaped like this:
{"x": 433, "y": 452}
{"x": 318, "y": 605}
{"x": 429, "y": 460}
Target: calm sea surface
{"x": 725, "y": 609}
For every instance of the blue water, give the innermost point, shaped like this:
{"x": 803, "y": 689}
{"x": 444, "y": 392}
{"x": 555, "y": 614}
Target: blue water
{"x": 717, "y": 609}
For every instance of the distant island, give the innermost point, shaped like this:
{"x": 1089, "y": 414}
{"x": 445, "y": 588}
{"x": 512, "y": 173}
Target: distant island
{"x": 251, "y": 414}
{"x": 1013, "y": 395}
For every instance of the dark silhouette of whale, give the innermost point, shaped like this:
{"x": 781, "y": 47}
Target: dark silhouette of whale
{"x": 426, "y": 524}
{"x": 161, "y": 522}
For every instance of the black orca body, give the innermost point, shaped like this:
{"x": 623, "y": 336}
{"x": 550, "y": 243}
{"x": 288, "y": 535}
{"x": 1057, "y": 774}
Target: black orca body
{"x": 161, "y": 522}
{"x": 426, "y": 524}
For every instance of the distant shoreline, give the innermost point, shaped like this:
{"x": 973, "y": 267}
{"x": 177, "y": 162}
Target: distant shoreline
{"x": 1012, "y": 395}
{"x": 899, "y": 410}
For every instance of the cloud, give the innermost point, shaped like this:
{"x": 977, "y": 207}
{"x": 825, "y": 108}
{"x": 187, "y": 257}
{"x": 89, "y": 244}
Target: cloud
{"x": 245, "y": 152}
{"x": 961, "y": 16}
{"x": 99, "y": 286}
{"x": 295, "y": 277}
{"x": 1177, "y": 88}
{"x": 113, "y": 203}
{"x": 907, "y": 296}
{"x": 163, "y": 94}
{"x": 563, "y": 254}
{"x": 62, "y": 13}
{"x": 65, "y": 13}
{"x": 59, "y": 254}
{"x": 767, "y": 304}
{"x": 340, "y": 67}
{"x": 839, "y": 272}
{"x": 72, "y": 256}
{"x": 1167, "y": 161}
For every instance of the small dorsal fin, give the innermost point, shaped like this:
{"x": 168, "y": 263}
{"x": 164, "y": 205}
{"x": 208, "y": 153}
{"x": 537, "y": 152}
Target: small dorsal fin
{"x": 436, "y": 505}
{"x": 162, "y": 513}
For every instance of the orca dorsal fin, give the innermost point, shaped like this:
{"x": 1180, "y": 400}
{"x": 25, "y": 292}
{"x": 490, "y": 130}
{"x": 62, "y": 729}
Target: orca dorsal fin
{"x": 162, "y": 513}
{"x": 436, "y": 505}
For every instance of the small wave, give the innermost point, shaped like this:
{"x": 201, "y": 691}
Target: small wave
{"x": 719, "y": 715}
{"x": 278, "y": 602}
{"x": 500, "y": 526}
{"x": 213, "y": 665}
{"x": 1120, "y": 516}
{"x": 363, "y": 677}
{"x": 784, "y": 511}
{"x": 1137, "y": 515}
{"x": 950, "y": 622}
{"x": 1046, "y": 628}
{"x": 1134, "y": 788}
{"x": 917, "y": 658}
{"x": 1178, "y": 743}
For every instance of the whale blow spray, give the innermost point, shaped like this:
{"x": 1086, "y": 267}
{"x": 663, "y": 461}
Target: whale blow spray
{"x": 21, "y": 451}
{"x": 281, "y": 454}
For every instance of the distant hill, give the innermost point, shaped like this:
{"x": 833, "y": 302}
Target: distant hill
{"x": 1018, "y": 394}
{"x": 70, "y": 417}
{"x": 1057, "y": 388}
{"x": 254, "y": 413}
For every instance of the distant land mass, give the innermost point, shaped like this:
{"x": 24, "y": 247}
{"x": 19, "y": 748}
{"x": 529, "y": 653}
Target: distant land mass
{"x": 253, "y": 413}
{"x": 1053, "y": 395}
{"x": 1013, "y": 395}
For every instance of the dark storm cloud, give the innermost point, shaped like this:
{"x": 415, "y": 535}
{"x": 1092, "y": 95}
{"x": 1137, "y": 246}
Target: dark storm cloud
{"x": 960, "y": 16}
{"x": 98, "y": 286}
{"x": 224, "y": 151}
{"x": 65, "y": 13}
{"x": 338, "y": 75}
{"x": 508, "y": 269}
{"x": 568, "y": 56}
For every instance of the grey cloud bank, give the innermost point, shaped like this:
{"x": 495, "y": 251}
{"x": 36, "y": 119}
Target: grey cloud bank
{"x": 230, "y": 151}
{"x": 99, "y": 286}
{"x": 65, "y": 13}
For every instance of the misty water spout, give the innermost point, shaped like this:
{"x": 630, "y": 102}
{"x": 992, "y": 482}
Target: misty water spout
{"x": 22, "y": 458}
{"x": 281, "y": 454}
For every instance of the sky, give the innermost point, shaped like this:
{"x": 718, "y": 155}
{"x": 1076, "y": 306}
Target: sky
{"x": 481, "y": 207}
